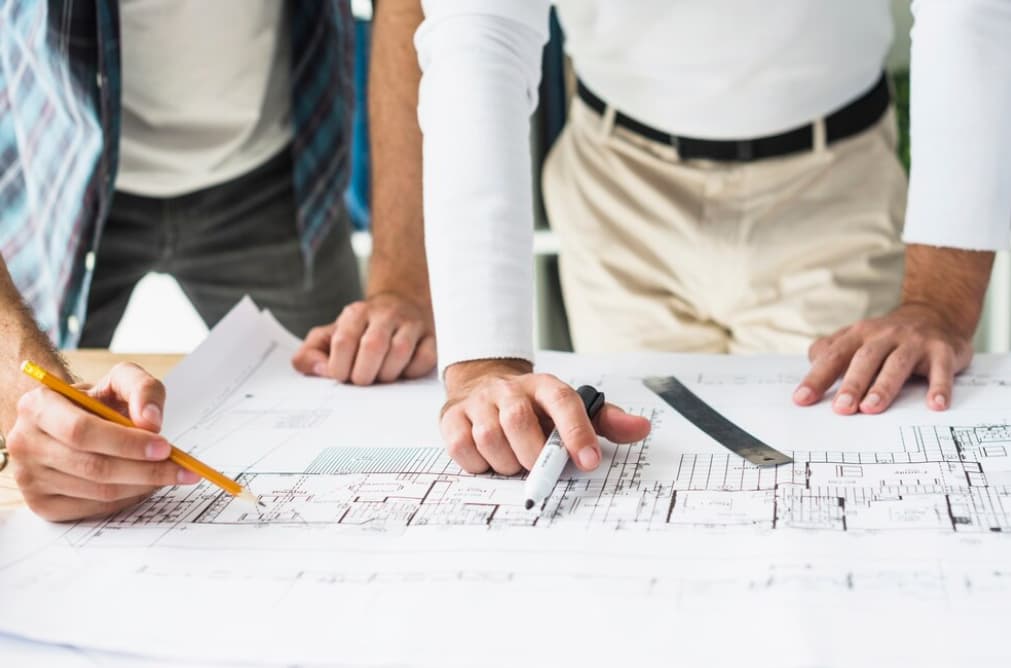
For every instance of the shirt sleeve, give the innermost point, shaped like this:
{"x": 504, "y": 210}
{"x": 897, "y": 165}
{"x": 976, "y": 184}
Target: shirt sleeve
{"x": 480, "y": 63}
{"x": 960, "y": 118}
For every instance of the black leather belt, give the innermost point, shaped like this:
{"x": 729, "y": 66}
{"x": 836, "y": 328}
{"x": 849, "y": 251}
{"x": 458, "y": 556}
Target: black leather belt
{"x": 854, "y": 118}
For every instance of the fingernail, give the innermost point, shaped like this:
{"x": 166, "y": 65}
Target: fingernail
{"x": 844, "y": 400}
{"x": 803, "y": 394}
{"x": 319, "y": 369}
{"x": 872, "y": 400}
{"x": 152, "y": 414}
{"x": 940, "y": 401}
{"x": 589, "y": 458}
{"x": 187, "y": 477}
{"x": 157, "y": 450}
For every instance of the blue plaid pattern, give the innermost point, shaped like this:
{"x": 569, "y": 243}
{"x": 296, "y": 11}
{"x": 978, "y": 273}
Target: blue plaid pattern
{"x": 59, "y": 139}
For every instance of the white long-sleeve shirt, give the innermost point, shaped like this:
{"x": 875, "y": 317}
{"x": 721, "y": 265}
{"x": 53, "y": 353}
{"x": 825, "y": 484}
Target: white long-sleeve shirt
{"x": 713, "y": 69}
{"x": 960, "y": 125}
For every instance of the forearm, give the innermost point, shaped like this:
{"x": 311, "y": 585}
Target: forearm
{"x": 478, "y": 89}
{"x": 398, "y": 261}
{"x": 950, "y": 281}
{"x": 20, "y": 339}
{"x": 960, "y": 182}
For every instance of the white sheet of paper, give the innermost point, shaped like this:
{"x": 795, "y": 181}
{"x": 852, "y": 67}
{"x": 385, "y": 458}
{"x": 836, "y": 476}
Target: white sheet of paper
{"x": 374, "y": 548}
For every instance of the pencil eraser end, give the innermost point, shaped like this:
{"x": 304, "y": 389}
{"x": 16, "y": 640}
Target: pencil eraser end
{"x": 29, "y": 368}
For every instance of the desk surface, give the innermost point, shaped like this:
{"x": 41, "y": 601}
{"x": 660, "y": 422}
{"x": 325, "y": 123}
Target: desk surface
{"x": 91, "y": 365}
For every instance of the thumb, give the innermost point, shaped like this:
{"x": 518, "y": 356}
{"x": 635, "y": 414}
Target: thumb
{"x": 617, "y": 426}
{"x": 140, "y": 392}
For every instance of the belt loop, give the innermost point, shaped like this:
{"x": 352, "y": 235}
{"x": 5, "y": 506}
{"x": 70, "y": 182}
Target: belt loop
{"x": 819, "y": 139}
{"x": 607, "y": 121}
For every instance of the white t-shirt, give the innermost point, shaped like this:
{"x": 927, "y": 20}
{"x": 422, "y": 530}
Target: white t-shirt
{"x": 701, "y": 68}
{"x": 206, "y": 94}
{"x": 727, "y": 69}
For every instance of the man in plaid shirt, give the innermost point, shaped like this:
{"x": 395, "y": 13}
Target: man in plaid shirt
{"x": 204, "y": 140}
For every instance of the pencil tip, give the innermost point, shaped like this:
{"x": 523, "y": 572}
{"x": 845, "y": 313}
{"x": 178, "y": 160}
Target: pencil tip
{"x": 246, "y": 495}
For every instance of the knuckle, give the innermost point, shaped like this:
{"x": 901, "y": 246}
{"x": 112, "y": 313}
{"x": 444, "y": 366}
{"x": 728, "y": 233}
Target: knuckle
{"x": 517, "y": 416}
{"x": 318, "y": 335}
{"x": 130, "y": 370}
{"x": 18, "y": 443}
{"x": 26, "y": 406}
{"x": 106, "y": 492}
{"x": 458, "y": 442}
{"x": 906, "y": 333}
{"x": 486, "y": 432}
{"x": 374, "y": 343}
{"x": 341, "y": 339}
{"x": 485, "y": 393}
{"x": 864, "y": 353}
{"x": 121, "y": 367}
{"x": 912, "y": 335}
{"x": 77, "y": 429}
{"x": 904, "y": 357}
{"x": 402, "y": 347}
{"x": 95, "y": 468}
{"x": 498, "y": 386}
{"x": 353, "y": 310}
{"x": 559, "y": 394}
{"x": 896, "y": 328}
{"x": 942, "y": 348}
{"x": 833, "y": 357}
{"x": 151, "y": 385}
{"x": 162, "y": 474}
{"x": 426, "y": 356}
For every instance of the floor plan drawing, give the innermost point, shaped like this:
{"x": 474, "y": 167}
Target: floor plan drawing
{"x": 940, "y": 479}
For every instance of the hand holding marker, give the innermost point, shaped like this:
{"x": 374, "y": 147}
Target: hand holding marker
{"x": 551, "y": 462}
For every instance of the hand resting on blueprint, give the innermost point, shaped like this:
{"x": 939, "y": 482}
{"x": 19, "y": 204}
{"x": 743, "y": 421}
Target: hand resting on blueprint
{"x": 929, "y": 334}
{"x": 498, "y": 414}
{"x": 383, "y": 338}
{"x": 71, "y": 464}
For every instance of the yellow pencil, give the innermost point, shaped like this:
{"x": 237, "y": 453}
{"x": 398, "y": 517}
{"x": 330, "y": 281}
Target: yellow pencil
{"x": 181, "y": 458}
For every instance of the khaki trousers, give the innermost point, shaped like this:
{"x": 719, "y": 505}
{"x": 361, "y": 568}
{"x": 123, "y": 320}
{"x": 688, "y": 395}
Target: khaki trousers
{"x": 670, "y": 255}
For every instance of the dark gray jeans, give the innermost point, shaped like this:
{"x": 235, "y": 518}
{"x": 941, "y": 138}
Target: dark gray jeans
{"x": 222, "y": 243}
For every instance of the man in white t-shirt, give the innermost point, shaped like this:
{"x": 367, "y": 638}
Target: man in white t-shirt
{"x": 206, "y": 140}
{"x": 726, "y": 182}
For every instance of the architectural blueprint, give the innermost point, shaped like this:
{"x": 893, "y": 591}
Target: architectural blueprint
{"x": 373, "y": 547}
{"x": 937, "y": 479}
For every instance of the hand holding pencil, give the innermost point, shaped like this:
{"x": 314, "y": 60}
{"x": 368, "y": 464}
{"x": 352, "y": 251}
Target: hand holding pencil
{"x": 72, "y": 463}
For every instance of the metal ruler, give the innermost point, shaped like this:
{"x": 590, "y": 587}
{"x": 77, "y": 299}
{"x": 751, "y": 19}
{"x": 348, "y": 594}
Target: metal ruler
{"x": 719, "y": 428}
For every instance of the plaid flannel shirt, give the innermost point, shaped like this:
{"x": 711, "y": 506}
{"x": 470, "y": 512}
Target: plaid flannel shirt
{"x": 60, "y": 93}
